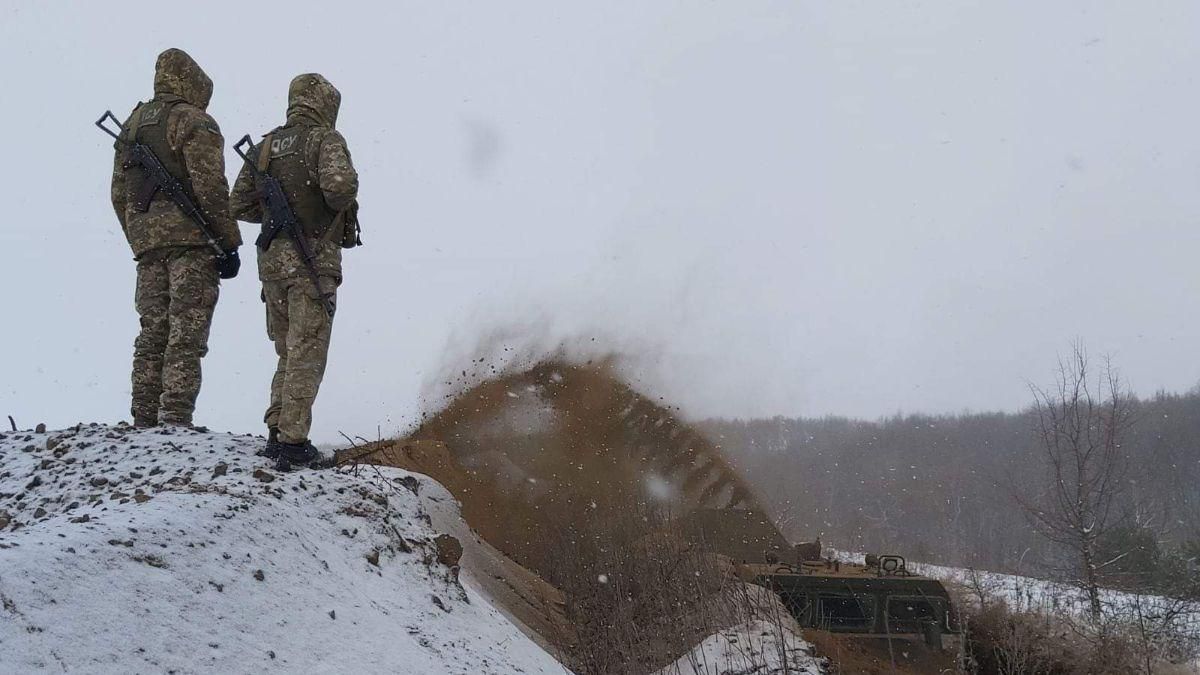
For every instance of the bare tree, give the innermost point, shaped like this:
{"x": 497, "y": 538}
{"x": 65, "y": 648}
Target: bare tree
{"x": 1162, "y": 629}
{"x": 1081, "y": 424}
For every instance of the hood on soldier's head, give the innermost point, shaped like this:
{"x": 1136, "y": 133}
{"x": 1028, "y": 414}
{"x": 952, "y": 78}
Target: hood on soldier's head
{"x": 178, "y": 74}
{"x": 312, "y": 98}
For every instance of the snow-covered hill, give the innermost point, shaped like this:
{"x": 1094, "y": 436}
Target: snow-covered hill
{"x": 165, "y": 550}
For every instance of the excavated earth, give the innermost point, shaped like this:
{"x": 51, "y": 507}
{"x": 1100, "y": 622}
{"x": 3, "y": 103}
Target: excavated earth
{"x": 532, "y": 455}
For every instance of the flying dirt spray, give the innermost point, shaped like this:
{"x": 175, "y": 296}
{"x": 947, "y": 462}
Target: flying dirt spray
{"x": 578, "y": 431}
{"x": 532, "y": 449}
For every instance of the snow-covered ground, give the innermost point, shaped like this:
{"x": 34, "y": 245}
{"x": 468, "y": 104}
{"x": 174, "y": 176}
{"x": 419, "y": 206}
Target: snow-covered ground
{"x": 1027, "y": 593}
{"x": 1018, "y": 592}
{"x": 1040, "y": 595}
{"x": 754, "y": 648}
{"x": 159, "y": 550}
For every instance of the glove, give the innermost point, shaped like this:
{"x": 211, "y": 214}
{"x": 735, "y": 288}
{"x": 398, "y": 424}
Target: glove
{"x": 227, "y": 267}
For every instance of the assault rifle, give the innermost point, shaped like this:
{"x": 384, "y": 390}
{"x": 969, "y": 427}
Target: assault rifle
{"x": 156, "y": 177}
{"x": 278, "y": 218}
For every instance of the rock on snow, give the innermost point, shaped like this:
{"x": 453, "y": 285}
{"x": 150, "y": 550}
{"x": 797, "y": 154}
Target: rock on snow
{"x": 164, "y": 550}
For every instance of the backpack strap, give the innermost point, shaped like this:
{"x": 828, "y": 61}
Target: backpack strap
{"x": 135, "y": 121}
{"x": 264, "y": 154}
{"x": 269, "y": 230}
{"x": 338, "y": 225}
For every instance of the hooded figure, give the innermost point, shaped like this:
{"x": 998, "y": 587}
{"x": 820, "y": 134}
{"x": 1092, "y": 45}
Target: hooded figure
{"x": 177, "y": 74}
{"x": 177, "y": 276}
{"x": 188, "y": 142}
{"x": 310, "y": 160}
{"x": 313, "y": 100}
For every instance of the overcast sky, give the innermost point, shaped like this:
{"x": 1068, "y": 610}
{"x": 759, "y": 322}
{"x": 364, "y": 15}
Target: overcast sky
{"x": 795, "y": 208}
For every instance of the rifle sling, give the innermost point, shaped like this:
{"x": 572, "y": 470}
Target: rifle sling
{"x": 135, "y": 121}
{"x": 264, "y": 153}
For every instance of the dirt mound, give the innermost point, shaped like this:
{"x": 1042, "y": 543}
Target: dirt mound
{"x": 535, "y": 448}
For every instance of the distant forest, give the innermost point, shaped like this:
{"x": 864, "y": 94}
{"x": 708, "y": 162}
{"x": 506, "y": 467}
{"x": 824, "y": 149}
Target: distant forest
{"x": 941, "y": 489}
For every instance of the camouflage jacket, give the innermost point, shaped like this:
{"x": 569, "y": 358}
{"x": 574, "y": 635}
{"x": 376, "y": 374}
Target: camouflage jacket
{"x": 196, "y": 139}
{"x": 312, "y": 101}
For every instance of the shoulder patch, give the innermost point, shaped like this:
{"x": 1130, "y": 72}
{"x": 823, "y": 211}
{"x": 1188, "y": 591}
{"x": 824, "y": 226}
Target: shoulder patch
{"x": 285, "y": 143}
{"x": 152, "y": 113}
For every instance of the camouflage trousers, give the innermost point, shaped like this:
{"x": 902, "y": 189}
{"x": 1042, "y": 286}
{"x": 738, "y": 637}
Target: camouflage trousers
{"x": 176, "y": 294}
{"x": 300, "y": 328}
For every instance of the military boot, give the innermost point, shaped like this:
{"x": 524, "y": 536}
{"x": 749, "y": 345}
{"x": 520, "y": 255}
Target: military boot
{"x": 271, "y": 449}
{"x": 295, "y": 455}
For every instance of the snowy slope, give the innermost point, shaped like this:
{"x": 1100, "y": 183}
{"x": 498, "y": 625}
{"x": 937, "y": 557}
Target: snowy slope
{"x": 152, "y": 550}
{"x": 754, "y": 648}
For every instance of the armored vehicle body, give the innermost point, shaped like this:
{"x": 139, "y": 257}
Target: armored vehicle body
{"x": 880, "y": 598}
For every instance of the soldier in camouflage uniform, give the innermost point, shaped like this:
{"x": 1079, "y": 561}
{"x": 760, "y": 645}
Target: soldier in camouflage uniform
{"x": 310, "y": 160}
{"x": 177, "y": 273}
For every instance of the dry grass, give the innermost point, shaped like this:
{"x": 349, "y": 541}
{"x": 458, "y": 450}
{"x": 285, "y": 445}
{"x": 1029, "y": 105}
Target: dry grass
{"x": 1008, "y": 642}
{"x": 640, "y": 598}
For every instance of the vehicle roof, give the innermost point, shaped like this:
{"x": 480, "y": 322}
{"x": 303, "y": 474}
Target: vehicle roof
{"x": 822, "y": 568}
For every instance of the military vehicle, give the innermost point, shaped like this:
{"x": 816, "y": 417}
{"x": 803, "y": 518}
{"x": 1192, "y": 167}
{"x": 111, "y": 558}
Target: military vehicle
{"x": 879, "y": 598}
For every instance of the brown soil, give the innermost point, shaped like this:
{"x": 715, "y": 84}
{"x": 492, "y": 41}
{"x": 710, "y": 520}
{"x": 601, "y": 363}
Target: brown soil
{"x": 529, "y": 453}
{"x": 525, "y": 598}
{"x": 532, "y": 455}
{"x": 562, "y": 437}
